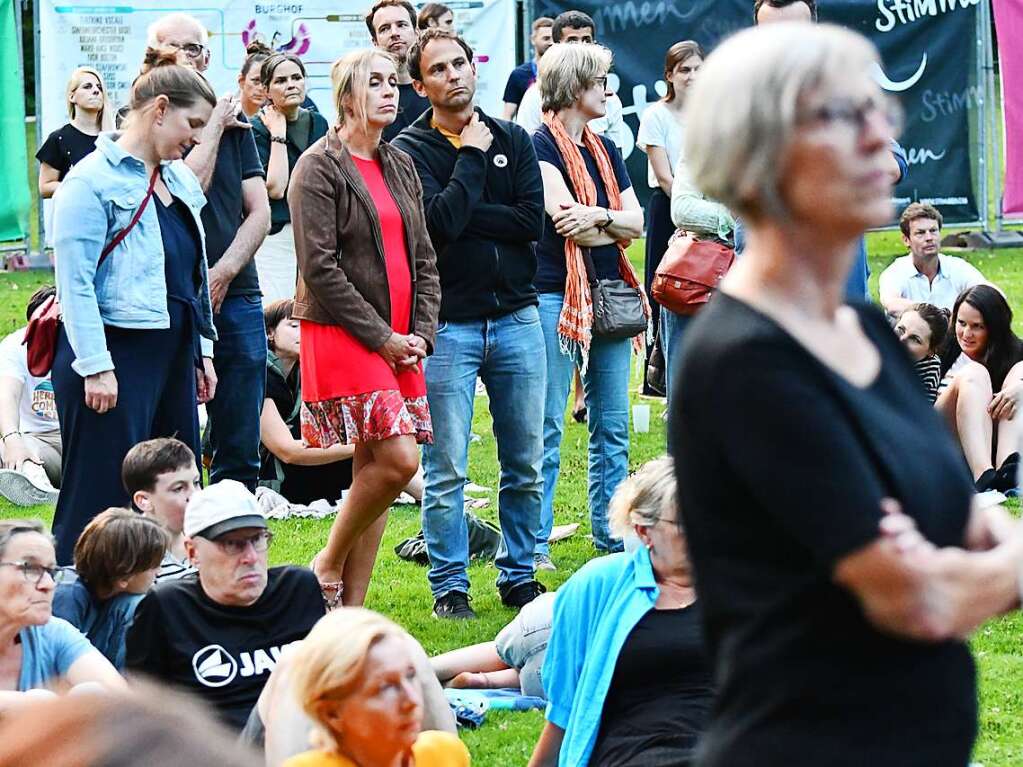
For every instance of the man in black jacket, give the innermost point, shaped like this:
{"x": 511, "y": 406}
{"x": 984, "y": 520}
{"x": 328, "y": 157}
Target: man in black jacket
{"x": 484, "y": 208}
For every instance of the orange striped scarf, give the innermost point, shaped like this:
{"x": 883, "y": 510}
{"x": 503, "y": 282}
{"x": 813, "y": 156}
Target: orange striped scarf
{"x": 575, "y": 324}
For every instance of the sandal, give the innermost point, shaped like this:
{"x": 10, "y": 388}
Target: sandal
{"x": 330, "y": 602}
{"x": 579, "y": 414}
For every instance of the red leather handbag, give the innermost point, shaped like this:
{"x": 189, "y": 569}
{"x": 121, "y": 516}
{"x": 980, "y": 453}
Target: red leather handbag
{"x": 44, "y": 324}
{"x": 689, "y": 272}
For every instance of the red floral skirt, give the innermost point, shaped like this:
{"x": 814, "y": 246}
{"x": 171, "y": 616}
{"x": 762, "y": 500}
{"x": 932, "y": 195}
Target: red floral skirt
{"x": 350, "y": 394}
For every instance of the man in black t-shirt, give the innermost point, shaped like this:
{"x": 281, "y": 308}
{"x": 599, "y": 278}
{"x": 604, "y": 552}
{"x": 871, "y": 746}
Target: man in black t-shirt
{"x": 392, "y": 26}
{"x": 236, "y": 219}
{"x": 220, "y": 632}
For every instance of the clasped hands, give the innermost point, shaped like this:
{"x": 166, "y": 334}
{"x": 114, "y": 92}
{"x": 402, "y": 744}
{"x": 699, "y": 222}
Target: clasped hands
{"x": 403, "y": 352}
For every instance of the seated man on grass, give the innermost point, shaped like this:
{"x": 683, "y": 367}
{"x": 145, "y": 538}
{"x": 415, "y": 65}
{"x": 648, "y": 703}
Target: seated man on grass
{"x": 925, "y": 276}
{"x": 219, "y": 632}
{"x": 160, "y": 476}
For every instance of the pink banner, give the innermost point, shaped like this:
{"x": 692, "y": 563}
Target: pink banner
{"x": 1009, "y": 27}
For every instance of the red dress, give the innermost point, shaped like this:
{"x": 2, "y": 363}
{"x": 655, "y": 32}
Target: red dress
{"x": 349, "y": 392}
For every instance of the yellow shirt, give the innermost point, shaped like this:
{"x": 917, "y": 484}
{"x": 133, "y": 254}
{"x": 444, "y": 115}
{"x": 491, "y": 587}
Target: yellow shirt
{"x": 433, "y": 748}
{"x": 454, "y": 138}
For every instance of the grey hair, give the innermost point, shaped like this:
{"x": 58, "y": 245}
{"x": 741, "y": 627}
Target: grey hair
{"x": 741, "y": 113}
{"x": 12, "y": 527}
{"x": 155, "y": 29}
{"x": 645, "y": 497}
{"x": 567, "y": 69}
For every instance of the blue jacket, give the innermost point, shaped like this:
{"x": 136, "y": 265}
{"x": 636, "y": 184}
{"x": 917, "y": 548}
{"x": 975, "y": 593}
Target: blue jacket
{"x": 594, "y": 613}
{"x": 95, "y": 200}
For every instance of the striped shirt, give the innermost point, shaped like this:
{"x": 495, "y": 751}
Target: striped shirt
{"x": 929, "y": 370}
{"x": 172, "y": 568}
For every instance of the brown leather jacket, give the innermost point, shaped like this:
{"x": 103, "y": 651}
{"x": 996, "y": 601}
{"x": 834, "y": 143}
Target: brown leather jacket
{"x": 342, "y": 276}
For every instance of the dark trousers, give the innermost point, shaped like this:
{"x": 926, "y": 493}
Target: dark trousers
{"x": 155, "y": 372}
{"x": 659, "y": 229}
{"x": 239, "y": 357}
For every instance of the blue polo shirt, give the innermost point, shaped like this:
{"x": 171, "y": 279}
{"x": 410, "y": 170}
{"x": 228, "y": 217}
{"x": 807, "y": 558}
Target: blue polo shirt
{"x": 594, "y": 613}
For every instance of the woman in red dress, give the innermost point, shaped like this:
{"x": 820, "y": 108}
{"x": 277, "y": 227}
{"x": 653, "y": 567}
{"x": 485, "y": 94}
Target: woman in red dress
{"x": 368, "y": 296}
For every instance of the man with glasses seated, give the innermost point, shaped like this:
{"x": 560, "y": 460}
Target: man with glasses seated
{"x": 218, "y": 633}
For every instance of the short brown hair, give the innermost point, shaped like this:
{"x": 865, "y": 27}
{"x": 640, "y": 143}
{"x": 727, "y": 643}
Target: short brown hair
{"x": 917, "y": 210}
{"x": 388, "y": 4}
{"x": 275, "y": 313}
{"x": 145, "y": 462}
{"x": 811, "y": 4}
{"x": 429, "y": 12}
{"x": 543, "y": 21}
{"x": 415, "y": 53}
{"x": 117, "y": 544}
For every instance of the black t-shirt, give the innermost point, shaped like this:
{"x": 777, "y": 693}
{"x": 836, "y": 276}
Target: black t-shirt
{"x": 782, "y": 465}
{"x": 410, "y": 106}
{"x": 222, "y": 654}
{"x": 660, "y": 695}
{"x": 551, "y": 272}
{"x": 64, "y": 148}
{"x": 315, "y": 127}
{"x": 518, "y": 82}
{"x": 237, "y": 160}
{"x": 301, "y": 484}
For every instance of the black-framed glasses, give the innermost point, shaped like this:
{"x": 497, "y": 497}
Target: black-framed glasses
{"x": 601, "y": 81}
{"x": 34, "y": 573}
{"x": 856, "y": 115}
{"x": 236, "y": 546}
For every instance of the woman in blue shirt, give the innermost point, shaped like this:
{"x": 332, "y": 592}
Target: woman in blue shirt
{"x": 626, "y": 677}
{"x": 35, "y": 647}
{"x": 129, "y": 362}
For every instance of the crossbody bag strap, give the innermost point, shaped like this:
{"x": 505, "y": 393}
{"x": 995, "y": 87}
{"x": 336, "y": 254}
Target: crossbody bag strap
{"x": 119, "y": 237}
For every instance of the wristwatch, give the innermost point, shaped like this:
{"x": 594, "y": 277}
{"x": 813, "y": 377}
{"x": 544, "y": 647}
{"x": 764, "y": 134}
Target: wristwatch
{"x": 608, "y": 222}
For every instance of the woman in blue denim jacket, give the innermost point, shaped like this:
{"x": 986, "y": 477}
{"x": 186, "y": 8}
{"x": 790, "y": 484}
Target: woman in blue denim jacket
{"x": 129, "y": 362}
{"x": 627, "y": 679}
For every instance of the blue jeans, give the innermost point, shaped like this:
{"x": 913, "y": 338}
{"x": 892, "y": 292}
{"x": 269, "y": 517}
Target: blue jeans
{"x": 606, "y": 388}
{"x": 504, "y": 352}
{"x": 672, "y": 330}
{"x": 239, "y": 357}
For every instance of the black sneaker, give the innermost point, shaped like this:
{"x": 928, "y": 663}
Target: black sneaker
{"x": 454, "y": 606}
{"x": 520, "y": 594}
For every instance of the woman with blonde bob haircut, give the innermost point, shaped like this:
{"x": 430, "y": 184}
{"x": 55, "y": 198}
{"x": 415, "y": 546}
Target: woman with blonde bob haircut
{"x": 838, "y": 577}
{"x": 355, "y": 677}
{"x": 90, "y": 113}
{"x": 356, "y": 205}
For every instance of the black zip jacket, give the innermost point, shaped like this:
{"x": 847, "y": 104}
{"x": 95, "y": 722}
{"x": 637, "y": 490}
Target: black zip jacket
{"x": 483, "y": 213}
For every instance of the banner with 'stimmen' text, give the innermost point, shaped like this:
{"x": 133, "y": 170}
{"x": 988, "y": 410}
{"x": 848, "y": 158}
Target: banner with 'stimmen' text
{"x": 929, "y": 54}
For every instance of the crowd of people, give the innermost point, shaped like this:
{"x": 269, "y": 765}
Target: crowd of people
{"x": 332, "y": 296}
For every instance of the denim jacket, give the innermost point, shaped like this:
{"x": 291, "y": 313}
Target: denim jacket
{"x": 95, "y": 200}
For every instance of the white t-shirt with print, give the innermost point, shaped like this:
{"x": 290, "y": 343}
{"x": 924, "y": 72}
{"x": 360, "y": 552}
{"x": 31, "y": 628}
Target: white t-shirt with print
{"x": 37, "y": 409}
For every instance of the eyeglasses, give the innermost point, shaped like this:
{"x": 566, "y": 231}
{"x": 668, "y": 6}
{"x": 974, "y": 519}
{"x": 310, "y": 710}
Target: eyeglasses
{"x": 34, "y": 573}
{"x": 234, "y": 547}
{"x": 192, "y": 50}
{"x": 601, "y": 81}
{"x": 856, "y": 115}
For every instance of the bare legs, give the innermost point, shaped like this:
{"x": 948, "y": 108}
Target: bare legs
{"x": 380, "y": 472}
{"x": 477, "y": 666}
{"x": 965, "y": 404}
{"x": 579, "y": 401}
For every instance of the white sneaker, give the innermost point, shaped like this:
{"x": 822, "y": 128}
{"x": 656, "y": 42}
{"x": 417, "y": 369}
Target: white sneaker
{"x": 543, "y": 562}
{"x": 28, "y": 487}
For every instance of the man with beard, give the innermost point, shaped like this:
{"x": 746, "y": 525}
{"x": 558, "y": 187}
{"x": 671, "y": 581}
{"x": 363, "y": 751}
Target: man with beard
{"x": 484, "y": 207}
{"x": 392, "y": 25}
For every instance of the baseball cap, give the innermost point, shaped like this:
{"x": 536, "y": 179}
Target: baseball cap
{"x": 218, "y": 509}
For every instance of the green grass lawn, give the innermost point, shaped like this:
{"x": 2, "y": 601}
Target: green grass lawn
{"x": 400, "y": 590}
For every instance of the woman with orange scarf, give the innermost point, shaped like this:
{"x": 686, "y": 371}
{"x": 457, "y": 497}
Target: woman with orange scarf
{"x": 592, "y": 214}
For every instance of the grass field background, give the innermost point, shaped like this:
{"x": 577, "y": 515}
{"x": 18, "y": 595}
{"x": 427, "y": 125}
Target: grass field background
{"x": 400, "y": 589}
